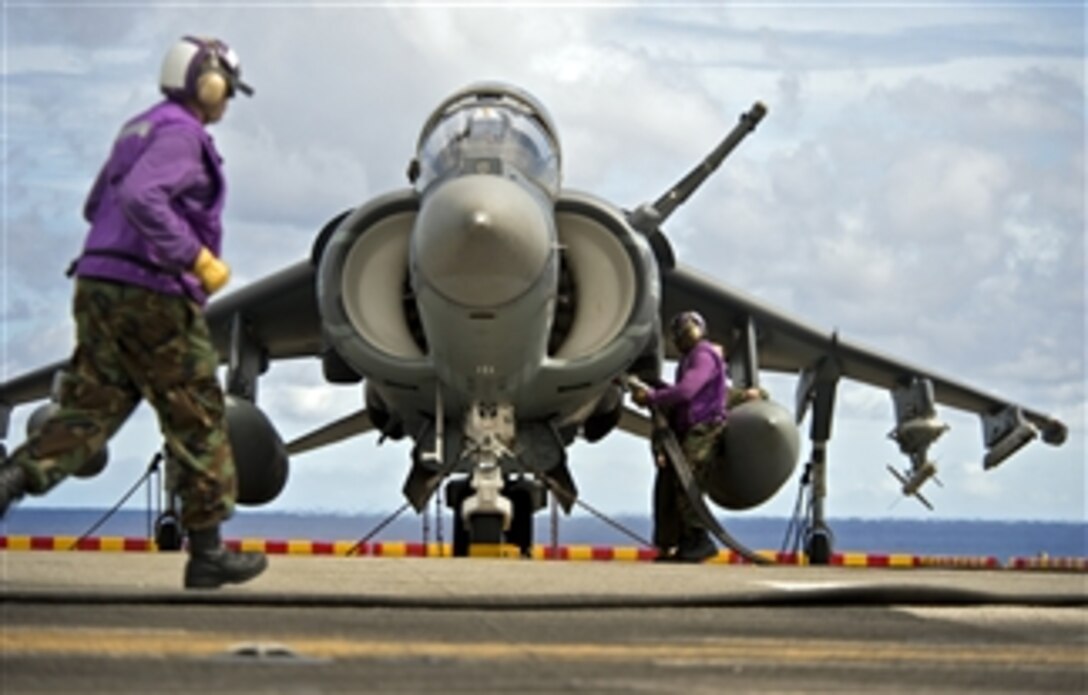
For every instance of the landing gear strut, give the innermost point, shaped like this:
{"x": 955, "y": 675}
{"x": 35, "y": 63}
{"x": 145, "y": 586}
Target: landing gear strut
{"x": 169, "y": 533}
{"x": 526, "y": 496}
{"x": 818, "y": 385}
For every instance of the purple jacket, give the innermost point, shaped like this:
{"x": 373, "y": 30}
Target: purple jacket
{"x": 699, "y": 393}
{"x": 158, "y": 198}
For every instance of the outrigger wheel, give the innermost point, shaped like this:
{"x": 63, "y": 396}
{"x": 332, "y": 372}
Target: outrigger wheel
{"x": 818, "y": 545}
{"x": 168, "y": 533}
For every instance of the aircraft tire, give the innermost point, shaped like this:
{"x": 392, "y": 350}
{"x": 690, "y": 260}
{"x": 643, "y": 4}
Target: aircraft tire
{"x": 486, "y": 528}
{"x": 460, "y": 538}
{"x": 456, "y": 491}
{"x": 521, "y": 526}
{"x": 818, "y": 547}
{"x": 168, "y": 533}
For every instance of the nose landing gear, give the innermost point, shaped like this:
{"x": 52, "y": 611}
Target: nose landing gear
{"x": 526, "y": 496}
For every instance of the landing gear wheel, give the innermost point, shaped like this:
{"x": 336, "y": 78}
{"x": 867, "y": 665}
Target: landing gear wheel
{"x": 818, "y": 547}
{"x": 456, "y": 492}
{"x": 521, "y": 525}
{"x": 168, "y": 532}
{"x": 486, "y": 528}
{"x": 460, "y": 537}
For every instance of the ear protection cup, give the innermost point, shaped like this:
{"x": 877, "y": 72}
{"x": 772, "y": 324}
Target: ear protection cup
{"x": 212, "y": 84}
{"x": 693, "y": 334}
{"x": 212, "y": 88}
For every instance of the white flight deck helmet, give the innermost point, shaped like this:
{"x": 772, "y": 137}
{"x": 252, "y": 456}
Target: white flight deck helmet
{"x": 203, "y": 69}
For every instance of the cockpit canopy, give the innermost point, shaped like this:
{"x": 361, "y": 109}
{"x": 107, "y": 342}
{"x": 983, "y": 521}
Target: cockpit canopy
{"x": 490, "y": 129}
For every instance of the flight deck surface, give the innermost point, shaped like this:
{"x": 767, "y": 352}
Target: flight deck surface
{"x": 119, "y": 622}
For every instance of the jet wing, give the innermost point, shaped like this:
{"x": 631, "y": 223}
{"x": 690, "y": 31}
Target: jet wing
{"x": 277, "y": 315}
{"x": 787, "y": 344}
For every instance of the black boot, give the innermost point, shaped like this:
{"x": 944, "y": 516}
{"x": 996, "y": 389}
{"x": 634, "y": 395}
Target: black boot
{"x": 666, "y": 555}
{"x": 12, "y": 486}
{"x": 696, "y": 546}
{"x": 212, "y": 565}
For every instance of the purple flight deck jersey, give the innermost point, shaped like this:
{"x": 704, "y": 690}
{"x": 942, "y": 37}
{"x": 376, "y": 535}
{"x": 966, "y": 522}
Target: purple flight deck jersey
{"x": 157, "y": 200}
{"x": 698, "y": 395}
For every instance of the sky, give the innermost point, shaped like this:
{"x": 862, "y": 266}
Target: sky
{"x": 918, "y": 185}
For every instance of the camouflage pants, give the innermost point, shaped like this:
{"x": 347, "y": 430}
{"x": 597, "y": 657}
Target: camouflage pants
{"x": 131, "y": 344}
{"x": 673, "y": 511}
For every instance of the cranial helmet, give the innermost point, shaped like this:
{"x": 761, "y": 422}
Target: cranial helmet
{"x": 687, "y": 328}
{"x": 205, "y": 70}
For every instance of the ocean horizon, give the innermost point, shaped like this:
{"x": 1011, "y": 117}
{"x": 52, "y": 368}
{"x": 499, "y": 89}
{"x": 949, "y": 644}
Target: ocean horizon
{"x": 936, "y": 537}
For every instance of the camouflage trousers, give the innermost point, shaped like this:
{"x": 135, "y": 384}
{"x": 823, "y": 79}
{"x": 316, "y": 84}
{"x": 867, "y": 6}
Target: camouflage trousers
{"x": 673, "y": 511}
{"x": 134, "y": 344}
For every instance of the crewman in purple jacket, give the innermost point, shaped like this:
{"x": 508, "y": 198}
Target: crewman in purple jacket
{"x": 149, "y": 263}
{"x": 696, "y": 407}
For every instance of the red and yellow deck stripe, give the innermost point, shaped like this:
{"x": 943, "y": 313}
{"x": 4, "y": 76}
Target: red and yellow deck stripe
{"x": 106, "y": 544}
{"x": 573, "y": 553}
{"x": 1043, "y": 562}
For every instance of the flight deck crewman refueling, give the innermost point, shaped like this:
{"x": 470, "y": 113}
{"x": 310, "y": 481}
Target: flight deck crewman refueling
{"x": 149, "y": 263}
{"x": 696, "y": 408}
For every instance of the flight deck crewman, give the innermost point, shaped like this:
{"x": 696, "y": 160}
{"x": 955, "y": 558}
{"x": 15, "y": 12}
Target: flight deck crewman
{"x": 696, "y": 406}
{"x": 149, "y": 263}
{"x": 696, "y": 410}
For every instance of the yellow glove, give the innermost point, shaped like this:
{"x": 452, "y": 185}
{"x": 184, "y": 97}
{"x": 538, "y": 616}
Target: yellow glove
{"x": 213, "y": 273}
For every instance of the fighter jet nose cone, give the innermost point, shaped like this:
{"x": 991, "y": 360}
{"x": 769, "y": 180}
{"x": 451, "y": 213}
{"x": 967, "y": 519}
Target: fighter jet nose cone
{"x": 480, "y": 221}
{"x": 481, "y": 240}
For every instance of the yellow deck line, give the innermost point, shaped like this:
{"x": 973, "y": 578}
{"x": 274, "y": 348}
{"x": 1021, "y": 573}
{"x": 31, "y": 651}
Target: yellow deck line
{"x": 144, "y": 643}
